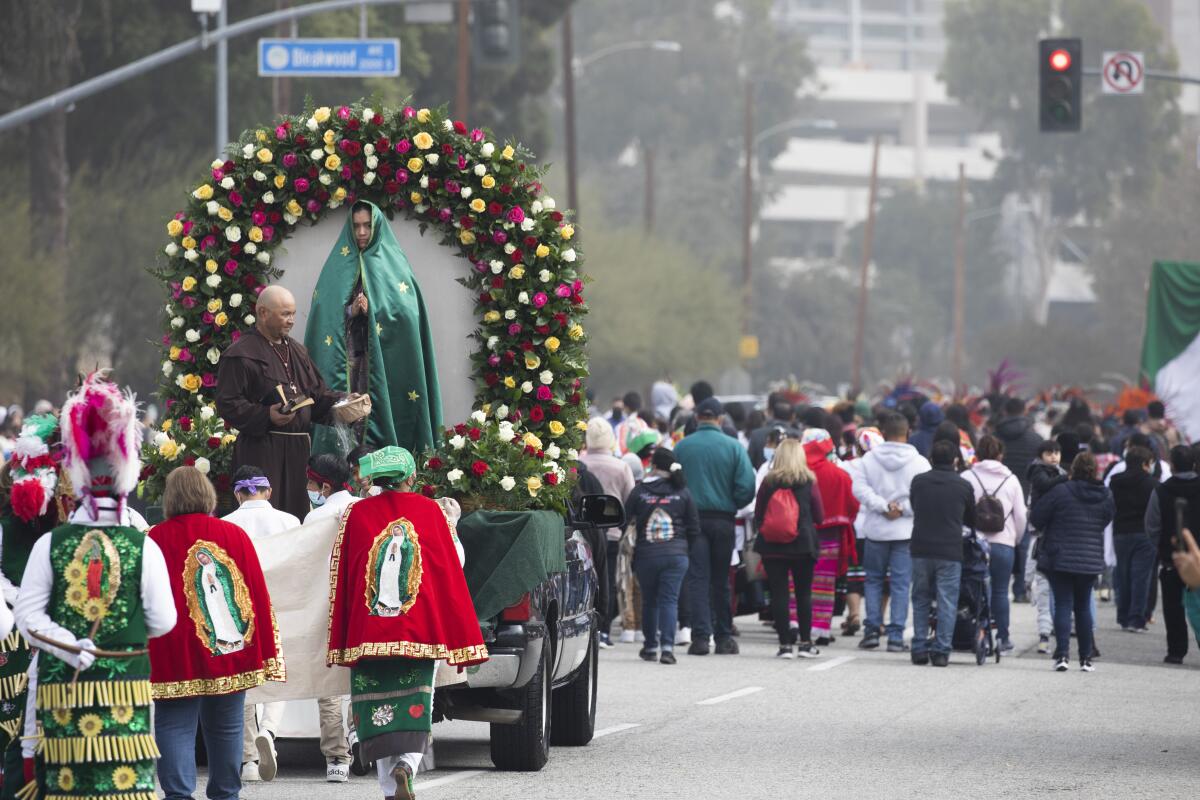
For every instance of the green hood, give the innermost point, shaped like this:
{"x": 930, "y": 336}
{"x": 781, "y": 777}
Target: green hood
{"x": 402, "y": 375}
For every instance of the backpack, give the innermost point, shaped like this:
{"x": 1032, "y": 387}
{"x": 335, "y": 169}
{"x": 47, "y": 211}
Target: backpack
{"x": 989, "y": 511}
{"x": 782, "y": 519}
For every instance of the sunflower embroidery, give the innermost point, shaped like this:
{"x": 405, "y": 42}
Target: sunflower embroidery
{"x": 90, "y": 725}
{"x": 124, "y": 778}
{"x": 62, "y": 716}
{"x": 94, "y": 609}
{"x": 383, "y": 715}
{"x": 75, "y": 573}
{"x": 66, "y": 779}
{"x": 76, "y": 595}
{"x": 122, "y": 715}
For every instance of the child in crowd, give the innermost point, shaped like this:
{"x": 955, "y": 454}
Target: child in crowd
{"x": 1044, "y": 473}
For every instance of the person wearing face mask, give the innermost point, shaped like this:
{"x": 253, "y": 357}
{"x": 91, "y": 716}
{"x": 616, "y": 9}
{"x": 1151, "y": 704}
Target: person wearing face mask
{"x": 328, "y": 482}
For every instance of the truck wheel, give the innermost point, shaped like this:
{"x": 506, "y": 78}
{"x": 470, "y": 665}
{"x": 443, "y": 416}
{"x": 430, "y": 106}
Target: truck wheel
{"x": 575, "y": 703}
{"x": 525, "y": 747}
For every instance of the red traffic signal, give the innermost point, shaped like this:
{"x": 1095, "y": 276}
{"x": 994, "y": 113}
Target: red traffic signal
{"x": 1060, "y": 61}
{"x": 1060, "y": 78}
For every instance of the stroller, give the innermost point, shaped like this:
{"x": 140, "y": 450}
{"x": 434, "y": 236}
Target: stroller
{"x": 973, "y": 623}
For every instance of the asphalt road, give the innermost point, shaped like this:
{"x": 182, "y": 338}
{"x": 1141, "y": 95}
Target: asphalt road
{"x": 850, "y": 724}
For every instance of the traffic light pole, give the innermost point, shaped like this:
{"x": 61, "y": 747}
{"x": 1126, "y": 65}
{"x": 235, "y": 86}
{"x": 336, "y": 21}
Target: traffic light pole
{"x": 1151, "y": 74}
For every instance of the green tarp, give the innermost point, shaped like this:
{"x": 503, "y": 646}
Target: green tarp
{"x": 1172, "y": 314}
{"x": 508, "y": 554}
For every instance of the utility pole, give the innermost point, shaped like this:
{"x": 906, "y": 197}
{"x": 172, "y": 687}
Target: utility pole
{"x": 747, "y": 202}
{"x": 960, "y": 257}
{"x": 462, "y": 94}
{"x": 648, "y": 194}
{"x": 568, "y": 67}
{"x": 860, "y": 327}
{"x": 222, "y": 81}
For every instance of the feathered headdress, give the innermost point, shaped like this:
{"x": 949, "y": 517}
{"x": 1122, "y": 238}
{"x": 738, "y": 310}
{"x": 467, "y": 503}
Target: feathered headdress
{"x": 101, "y": 438}
{"x": 33, "y": 468}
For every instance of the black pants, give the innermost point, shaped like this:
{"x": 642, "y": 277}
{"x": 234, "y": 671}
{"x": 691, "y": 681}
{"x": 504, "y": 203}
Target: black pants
{"x": 610, "y": 608}
{"x": 1174, "y": 616}
{"x": 801, "y": 570}
{"x": 710, "y": 555}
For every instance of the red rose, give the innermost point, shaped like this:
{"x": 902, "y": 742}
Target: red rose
{"x": 561, "y": 319}
{"x": 495, "y": 209}
{"x": 460, "y": 126}
{"x": 518, "y": 256}
{"x": 460, "y": 429}
{"x": 540, "y": 454}
{"x": 542, "y": 329}
{"x": 491, "y": 379}
{"x": 214, "y": 442}
{"x": 466, "y": 222}
{"x": 428, "y": 491}
{"x": 506, "y": 189}
{"x": 551, "y": 478}
{"x": 448, "y": 149}
{"x": 391, "y": 187}
{"x": 527, "y": 346}
{"x": 531, "y": 241}
{"x": 485, "y": 298}
{"x": 575, "y": 398}
{"x": 185, "y": 423}
{"x": 529, "y": 450}
{"x": 497, "y": 282}
{"x": 479, "y": 468}
{"x": 190, "y": 461}
{"x": 435, "y": 463}
{"x": 555, "y": 408}
{"x": 510, "y": 356}
{"x": 536, "y": 414}
{"x": 377, "y": 120}
{"x": 383, "y": 142}
{"x": 556, "y": 216}
{"x": 475, "y": 434}
{"x": 353, "y": 124}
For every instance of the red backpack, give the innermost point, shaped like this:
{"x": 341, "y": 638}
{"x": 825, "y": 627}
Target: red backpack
{"x": 781, "y": 521}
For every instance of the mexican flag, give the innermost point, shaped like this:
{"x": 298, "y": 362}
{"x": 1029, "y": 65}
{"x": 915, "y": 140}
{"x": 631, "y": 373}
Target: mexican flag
{"x": 1171, "y": 347}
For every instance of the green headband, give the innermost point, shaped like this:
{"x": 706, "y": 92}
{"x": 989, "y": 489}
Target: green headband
{"x": 388, "y": 461}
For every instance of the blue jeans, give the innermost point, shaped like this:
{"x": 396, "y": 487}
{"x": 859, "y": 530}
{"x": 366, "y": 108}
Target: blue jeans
{"x": 941, "y": 578}
{"x": 1000, "y": 569}
{"x": 660, "y": 578}
{"x": 709, "y": 556}
{"x": 1020, "y": 556}
{"x": 1072, "y": 592}
{"x": 880, "y": 559}
{"x": 1132, "y": 576}
{"x": 220, "y": 721}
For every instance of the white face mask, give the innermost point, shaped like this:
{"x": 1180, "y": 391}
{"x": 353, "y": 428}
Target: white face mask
{"x": 316, "y": 498}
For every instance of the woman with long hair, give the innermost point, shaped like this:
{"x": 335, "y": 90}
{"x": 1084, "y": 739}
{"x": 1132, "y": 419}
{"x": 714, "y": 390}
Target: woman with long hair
{"x": 786, "y": 513}
{"x": 835, "y": 531}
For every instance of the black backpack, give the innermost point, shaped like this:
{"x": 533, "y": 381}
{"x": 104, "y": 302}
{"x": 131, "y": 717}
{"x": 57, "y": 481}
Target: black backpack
{"x": 989, "y": 511}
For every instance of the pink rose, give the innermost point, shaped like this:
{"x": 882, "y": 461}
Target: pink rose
{"x": 301, "y": 184}
{"x": 185, "y": 354}
{"x": 176, "y": 290}
{"x": 209, "y": 380}
{"x": 402, "y": 176}
{"x": 231, "y": 267}
{"x": 259, "y": 217}
{"x": 544, "y": 394}
{"x": 563, "y": 290}
{"x": 493, "y": 360}
{"x": 281, "y": 132}
{"x": 313, "y": 206}
{"x": 481, "y": 266}
{"x": 235, "y": 197}
{"x": 452, "y": 187}
{"x": 268, "y": 233}
{"x": 187, "y": 227}
{"x": 476, "y": 135}
{"x": 499, "y": 237}
{"x": 343, "y": 112}
{"x": 166, "y": 340}
{"x": 577, "y": 287}
{"x": 218, "y": 174}
{"x": 514, "y": 330}
{"x": 409, "y": 112}
{"x": 540, "y": 299}
{"x": 403, "y": 146}
{"x": 462, "y": 162}
{"x": 236, "y": 335}
{"x": 289, "y": 160}
{"x": 444, "y": 215}
{"x": 516, "y": 215}
{"x": 207, "y": 317}
{"x": 188, "y": 301}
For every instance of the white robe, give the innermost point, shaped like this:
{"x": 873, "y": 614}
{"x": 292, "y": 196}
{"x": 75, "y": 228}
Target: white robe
{"x": 389, "y": 574}
{"x": 217, "y": 605}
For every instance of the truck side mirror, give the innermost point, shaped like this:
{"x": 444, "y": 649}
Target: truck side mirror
{"x": 600, "y": 511}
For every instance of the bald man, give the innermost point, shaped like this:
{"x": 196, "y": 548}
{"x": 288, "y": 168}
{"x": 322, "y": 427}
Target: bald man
{"x": 247, "y": 398}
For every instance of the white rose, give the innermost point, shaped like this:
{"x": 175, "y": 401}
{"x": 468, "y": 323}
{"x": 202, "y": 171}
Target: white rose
{"x": 171, "y": 249}
{"x": 169, "y": 308}
{"x": 190, "y": 254}
{"x": 548, "y": 203}
{"x": 447, "y": 125}
{"x": 510, "y": 248}
{"x": 311, "y": 124}
{"x": 202, "y": 465}
{"x": 269, "y": 198}
{"x": 432, "y": 158}
{"x": 317, "y": 155}
{"x": 481, "y": 170}
{"x": 420, "y": 208}
{"x": 290, "y": 219}
{"x": 487, "y": 149}
{"x": 507, "y": 483}
{"x": 553, "y": 451}
{"x": 248, "y": 151}
{"x": 424, "y": 181}
{"x": 235, "y": 300}
{"x": 368, "y": 113}
{"x": 248, "y": 319}
{"x": 479, "y": 416}
{"x": 573, "y": 454}
{"x": 168, "y": 368}
{"x": 526, "y": 387}
{"x": 213, "y": 280}
{"x": 214, "y": 355}
{"x": 233, "y": 233}
{"x": 159, "y": 438}
{"x": 535, "y": 207}
{"x": 177, "y": 322}
{"x": 372, "y": 161}
{"x": 206, "y": 412}
{"x": 492, "y": 342}
{"x": 251, "y": 248}
{"x": 466, "y": 192}
{"x": 325, "y": 179}
{"x": 507, "y": 432}
{"x": 511, "y": 314}
{"x": 179, "y": 380}
{"x": 369, "y": 178}
{"x": 227, "y": 183}
{"x": 501, "y": 411}
{"x": 568, "y": 255}
{"x": 211, "y": 207}
{"x": 544, "y": 276}
{"x": 369, "y": 149}
{"x": 523, "y": 298}
{"x": 458, "y": 442}
{"x": 527, "y": 224}
{"x": 217, "y": 164}
{"x": 496, "y": 266}
{"x": 192, "y": 335}
{"x": 263, "y": 258}
{"x": 547, "y": 377}
{"x": 454, "y": 475}
{"x": 259, "y": 175}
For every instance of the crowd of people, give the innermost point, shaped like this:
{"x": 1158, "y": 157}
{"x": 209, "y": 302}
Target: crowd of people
{"x": 803, "y": 512}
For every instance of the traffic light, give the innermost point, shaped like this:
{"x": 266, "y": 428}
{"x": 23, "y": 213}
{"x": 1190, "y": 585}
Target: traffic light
{"x": 497, "y": 32}
{"x": 1060, "y": 70}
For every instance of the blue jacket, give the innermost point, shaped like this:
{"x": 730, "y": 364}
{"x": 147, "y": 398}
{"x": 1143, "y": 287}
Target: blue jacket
{"x": 1072, "y": 517}
{"x": 717, "y": 469}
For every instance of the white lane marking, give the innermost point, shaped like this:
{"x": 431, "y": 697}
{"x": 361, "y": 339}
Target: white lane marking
{"x": 831, "y": 663}
{"x": 452, "y": 778}
{"x": 615, "y": 729}
{"x": 712, "y": 701}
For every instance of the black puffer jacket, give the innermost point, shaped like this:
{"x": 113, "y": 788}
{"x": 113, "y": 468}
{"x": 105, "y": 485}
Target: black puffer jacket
{"x": 1072, "y": 517}
{"x": 1021, "y": 443}
{"x": 665, "y": 517}
{"x": 811, "y": 515}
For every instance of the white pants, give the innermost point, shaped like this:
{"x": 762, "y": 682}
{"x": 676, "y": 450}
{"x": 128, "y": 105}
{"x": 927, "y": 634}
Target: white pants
{"x": 385, "y": 765}
{"x": 1041, "y": 595}
{"x": 272, "y": 714}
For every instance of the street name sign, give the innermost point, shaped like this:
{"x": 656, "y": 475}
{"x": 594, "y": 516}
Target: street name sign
{"x": 329, "y": 58}
{"x": 1124, "y": 72}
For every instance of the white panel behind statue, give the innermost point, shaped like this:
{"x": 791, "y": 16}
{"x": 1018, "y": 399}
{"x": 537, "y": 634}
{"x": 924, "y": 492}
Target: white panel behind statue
{"x": 450, "y": 305}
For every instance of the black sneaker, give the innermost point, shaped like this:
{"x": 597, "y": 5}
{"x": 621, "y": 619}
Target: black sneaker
{"x": 648, "y": 655}
{"x": 1170, "y": 659}
{"x": 699, "y": 648}
{"x": 785, "y": 652}
{"x": 1005, "y": 646}
{"x": 727, "y": 647}
{"x": 920, "y": 659}
{"x": 869, "y": 642}
{"x": 1086, "y": 666}
{"x": 807, "y": 650}
{"x": 667, "y": 657}
{"x": 1062, "y": 664}
{"x": 940, "y": 659}
{"x": 824, "y": 641}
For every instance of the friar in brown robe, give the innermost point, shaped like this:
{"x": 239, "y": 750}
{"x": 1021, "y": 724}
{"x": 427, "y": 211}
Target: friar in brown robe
{"x": 250, "y": 371}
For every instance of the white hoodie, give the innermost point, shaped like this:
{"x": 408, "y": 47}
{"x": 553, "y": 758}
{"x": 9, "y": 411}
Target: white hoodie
{"x": 884, "y": 476}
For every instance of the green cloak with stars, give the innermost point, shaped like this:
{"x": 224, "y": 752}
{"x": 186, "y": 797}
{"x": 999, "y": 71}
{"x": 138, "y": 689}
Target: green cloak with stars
{"x": 401, "y": 375}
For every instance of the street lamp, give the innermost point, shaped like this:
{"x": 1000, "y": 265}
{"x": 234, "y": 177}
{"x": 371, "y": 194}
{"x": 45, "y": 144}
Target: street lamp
{"x": 578, "y": 65}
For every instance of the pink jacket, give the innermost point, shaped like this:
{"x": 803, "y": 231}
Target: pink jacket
{"x": 999, "y": 480}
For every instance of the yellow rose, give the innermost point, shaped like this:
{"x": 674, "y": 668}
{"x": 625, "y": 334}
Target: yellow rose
{"x": 329, "y": 137}
{"x": 332, "y": 163}
{"x": 264, "y": 155}
{"x": 415, "y": 164}
{"x": 174, "y": 227}
{"x": 339, "y": 194}
{"x": 423, "y": 115}
{"x": 534, "y": 485}
{"x": 581, "y": 426}
{"x": 423, "y": 141}
{"x": 517, "y": 272}
{"x": 221, "y": 319}
{"x": 228, "y": 439}
{"x": 488, "y": 182}
{"x": 478, "y": 205}
{"x": 169, "y": 450}
{"x": 191, "y": 382}
{"x": 293, "y": 207}
{"x": 321, "y": 114}
{"x": 188, "y": 243}
{"x": 542, "y": 251}
{"x": 491, "y": 316}
{"x": 415, "y": 197}
{"x": 224, "y": 213}
{"x": 532, "y": 441}
{"x": 557, "y": 428}
{"x": 204, "y": 192}
{"x": 189, "y": 283}
{"x": 532, "y": 361}
{"x": 255, "y": 234}
{"x": 507, "y": 152}
{"x": 552, "y": 344}
{"x": 567, "y": 231}
{"x": 576, "y": 332}
{"x": 261, "y": 135}
{"x": 166, "y": 426}
{"x": 509, "y": 383}
{"x": 174, "y": 356}
{"x": 280, "y": 181}
{"x": 214, "y": 305}
{"x": 466, "y": 237}
{"x": 210, "y": 266}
